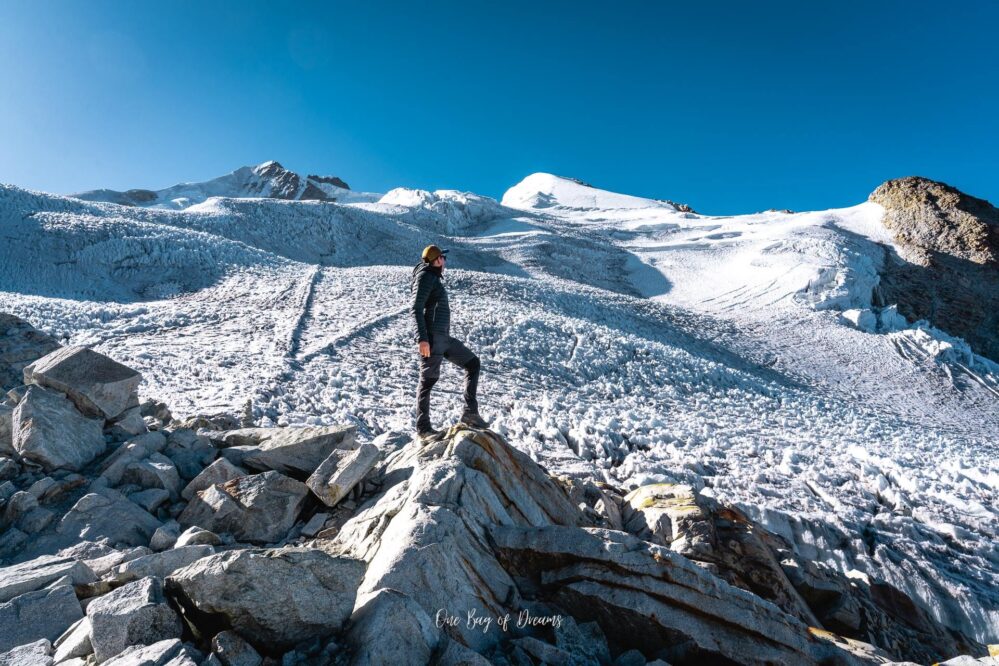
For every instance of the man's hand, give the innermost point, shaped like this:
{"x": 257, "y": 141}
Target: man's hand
{"x": 424, "y": 348}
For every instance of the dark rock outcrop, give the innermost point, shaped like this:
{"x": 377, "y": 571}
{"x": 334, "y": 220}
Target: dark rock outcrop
{"x": 947, "y": 267}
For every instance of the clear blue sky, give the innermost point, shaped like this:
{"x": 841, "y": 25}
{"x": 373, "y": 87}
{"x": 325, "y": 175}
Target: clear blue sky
{"x": 728, "y": 106}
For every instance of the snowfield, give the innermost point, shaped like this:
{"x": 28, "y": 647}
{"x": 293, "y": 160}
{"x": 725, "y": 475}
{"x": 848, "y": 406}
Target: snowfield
{"x": 620, "y": 338}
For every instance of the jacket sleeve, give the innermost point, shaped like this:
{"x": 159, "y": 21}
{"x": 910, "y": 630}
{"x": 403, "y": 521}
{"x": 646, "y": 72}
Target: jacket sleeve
{"x": 421, "y": 293}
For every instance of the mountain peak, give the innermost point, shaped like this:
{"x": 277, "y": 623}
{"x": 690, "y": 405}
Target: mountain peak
{"x": 266, "y": 180}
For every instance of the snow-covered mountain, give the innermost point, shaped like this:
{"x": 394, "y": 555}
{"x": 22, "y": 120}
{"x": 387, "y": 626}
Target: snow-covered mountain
{"x": 268, "y": 180}
{"x": 760, "y": 358}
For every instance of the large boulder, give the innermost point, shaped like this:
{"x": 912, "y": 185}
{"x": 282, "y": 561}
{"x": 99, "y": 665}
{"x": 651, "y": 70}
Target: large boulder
{"x": 35, "y": 574}
{"x": 390, "y": 628}
{"x": 295, "y": 451}
{"x": 135, "y": 614}
{"x": 272, "y": 598}
{"x": 260, "y": 508}
{"x": 38, "y": 653}
{"x": 340, "y": 472}
{"x": 160, "y": 565}
{"x": 36, "y": 615}
{"x": 219, "y": 471}
{"x": 49, "y": 430}
{"x": 107, "y": 514}
{"x": 169, "y": 652}
{"x": 20, "y": 344}
{"x": 99, "y": 386}
{"x": 426, "y": 535}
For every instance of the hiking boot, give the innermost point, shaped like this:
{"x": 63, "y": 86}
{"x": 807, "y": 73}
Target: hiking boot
{"x": 429, "y": 434}
{"x": 474, "y": 420}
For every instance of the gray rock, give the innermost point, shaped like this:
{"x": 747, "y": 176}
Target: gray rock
{"x": 340, "y": 472}
{"x": 7, "y": 490}
{"x": 272, "y": 598}
{"x": 545, "y": 652}
{"x": 6, "y": 429}
{"x": 630, "y": 658}
{"x": 260, "y": 508}
{"x": 29, "y": 576}
{"x": 128, "y": 424}
{"x": 169, "y": 652}
{"x": 388, "y": 627}
{"x": 231, "y": 649}
{"x": 75, "y": 642}
{"x": 20, "y": 344}
{"x": 11, "y": 541}
{"x": 195, "y": 536}
{"x": 151, "y": 499}
{"x": 219, "y": 471}
{"x": 156, "y": 471}
{"x": 38, "y": 653}
{"x": 431, "y": 521}
{"x": 8, "y": 467}
{"x": 133, "y": 451}
{"x": 159, "y": 565}
{"x": 315, "y": 524}
{"x": 99, "y": 386}
{"x": 36, "y": 520}
{"x": 41, "y": 486}
{"x": 50, "y": 431}
{"x": 586, "y": 641}
{"x": 296, "y": 451}
{"x": 456, "y": 654}
{"x": 638, "y": 591}
{"x": 19, "y": 505}
{"x": 35, "y": 615}
{"x": 166, "y": 536}
{"x": 190, "y": 452}
{"x": 135, "y": 614}
{"x": 109, "y": 515}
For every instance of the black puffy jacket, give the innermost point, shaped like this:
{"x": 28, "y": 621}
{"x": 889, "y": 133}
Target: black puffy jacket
{"x": 431, "y": 312}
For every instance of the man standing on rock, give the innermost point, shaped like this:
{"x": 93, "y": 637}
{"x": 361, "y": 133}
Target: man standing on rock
{"x": 432, "y": 319}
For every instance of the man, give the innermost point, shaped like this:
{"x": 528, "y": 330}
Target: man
{"x": 432, "y": 319}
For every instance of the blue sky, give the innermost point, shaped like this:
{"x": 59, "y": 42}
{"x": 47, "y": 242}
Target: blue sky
{"x": 729, "y": 106}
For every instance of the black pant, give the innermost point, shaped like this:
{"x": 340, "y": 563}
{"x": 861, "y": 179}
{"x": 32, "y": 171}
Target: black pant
{"x": 445, "y": 347}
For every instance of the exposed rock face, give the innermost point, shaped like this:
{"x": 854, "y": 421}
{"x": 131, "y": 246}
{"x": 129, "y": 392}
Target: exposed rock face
{"x": 293, "y": 451}
{"x": 108, "y": 515}
{"x": 273, "y": 598}
{"x": 948, "y": 271}
{"x": 100, "y": 387}
{"x": 136, "y": 614}
{"x": 50, "y": 431}
{"x": 20, "y": 344}
{"x": 260, "y": 508}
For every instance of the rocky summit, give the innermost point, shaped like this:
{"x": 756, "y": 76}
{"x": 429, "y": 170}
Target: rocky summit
{"x": 161, "y": 544}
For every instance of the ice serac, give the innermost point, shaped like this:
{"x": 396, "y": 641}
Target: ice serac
{"x": 48, "y": 430}
{"x": 99, "y": 386}
{"x": 272, "y": 598}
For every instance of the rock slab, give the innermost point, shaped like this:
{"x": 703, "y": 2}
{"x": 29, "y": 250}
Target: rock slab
{"x": 99, "y": 386}
{"x": 49, "y": 430}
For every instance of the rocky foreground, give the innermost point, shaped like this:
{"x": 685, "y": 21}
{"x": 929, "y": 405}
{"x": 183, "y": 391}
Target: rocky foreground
{"x": 129, "y": 538}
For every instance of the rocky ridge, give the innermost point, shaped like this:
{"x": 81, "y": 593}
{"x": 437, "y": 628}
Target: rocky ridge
{"x": 946, "y": 269}
{"x": 220, "y": 544}
{"x": 269, "y": 179}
